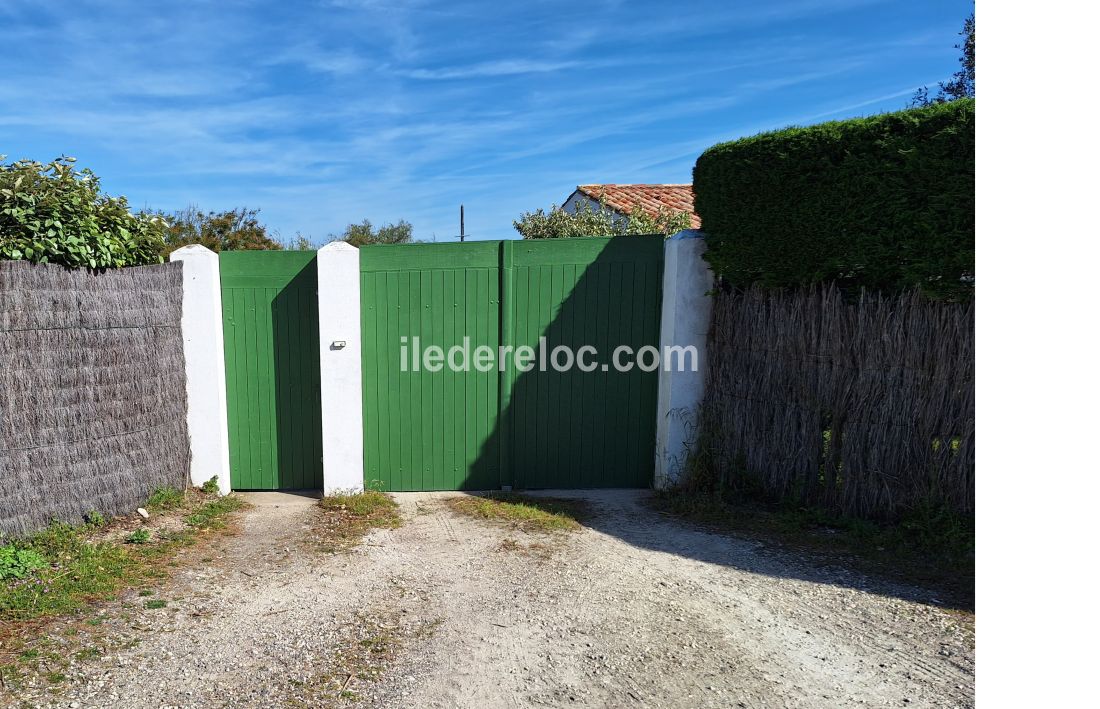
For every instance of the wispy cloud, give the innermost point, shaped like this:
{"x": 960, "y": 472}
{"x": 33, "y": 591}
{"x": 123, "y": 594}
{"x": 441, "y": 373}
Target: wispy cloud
{"x": 502, "y": 67}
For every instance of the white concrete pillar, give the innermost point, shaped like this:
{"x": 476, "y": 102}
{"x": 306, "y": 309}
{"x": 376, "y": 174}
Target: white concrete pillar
{"x": 341, "y": 367}
{"x": 204, "y": 362}
{"x": 685, "y": 320}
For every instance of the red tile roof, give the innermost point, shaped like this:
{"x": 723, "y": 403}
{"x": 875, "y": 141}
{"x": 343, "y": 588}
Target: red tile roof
{"x": 622, "y": 198}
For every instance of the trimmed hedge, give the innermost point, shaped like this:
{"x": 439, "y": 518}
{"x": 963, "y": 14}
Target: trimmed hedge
{"x": 885, "y": 202}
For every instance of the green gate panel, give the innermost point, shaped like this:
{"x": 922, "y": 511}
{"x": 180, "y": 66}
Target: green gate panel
{"x": 272, "y": 369}
{"x": 574, "y": 429}
{"x": 451, "y": 430}
{"x": 429, "y": 430}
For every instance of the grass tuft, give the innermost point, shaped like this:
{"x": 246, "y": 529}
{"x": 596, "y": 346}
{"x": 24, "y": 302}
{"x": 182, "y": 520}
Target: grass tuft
{"x": 165, "y": 498}
{"x": 530, "y": 514}
{"x": 347, "y": 517}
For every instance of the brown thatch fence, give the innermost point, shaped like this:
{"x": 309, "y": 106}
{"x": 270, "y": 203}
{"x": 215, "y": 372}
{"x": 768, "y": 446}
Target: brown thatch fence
{"x": 863, "y": 408}
{"x": 92, "y": 391}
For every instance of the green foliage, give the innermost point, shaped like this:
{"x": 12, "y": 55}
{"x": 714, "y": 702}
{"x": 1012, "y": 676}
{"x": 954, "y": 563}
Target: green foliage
{"x": 16, "y": 563}
{"x": 54, "y": 213}
{"x": 164, "y": 498}
{"x": 885, "y": 202}
{"x": 85, "y": 564}
{"x": 138, "y": 536}
{"x": 94, "y": 518}
{"x": 364, "y": 233}
{"x": 155, "y": 604}
{"x": 963, "y": 83}
{"x": 210, "y": 487}
{"x": 556, "y": 223}
{"x": 232, "y": 230}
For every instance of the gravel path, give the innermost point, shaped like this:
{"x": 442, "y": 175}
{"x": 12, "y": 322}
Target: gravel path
{"x": 635, "y": 610}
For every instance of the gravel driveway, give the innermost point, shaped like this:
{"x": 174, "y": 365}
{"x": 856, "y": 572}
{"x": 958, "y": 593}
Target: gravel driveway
{"x": 448, "y": 611}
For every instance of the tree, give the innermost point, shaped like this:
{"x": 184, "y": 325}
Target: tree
{"x": 364, "y": 233}
{"x": 962, "y": 83}
{"x": 232, "y": 230}
{"x": 55, "y": 213}
{"x": 556, "y": 223}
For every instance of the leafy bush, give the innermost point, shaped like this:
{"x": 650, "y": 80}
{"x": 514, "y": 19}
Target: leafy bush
{"x": 365, "y": 233}
{"x": 586, "y": 221}
{"x": 16, "y": 563}
{"x": 885, "y": 202}
{"x": 55, "y": 213}
{"x": 210, "y": 487}
{"x": 232, "y": 230}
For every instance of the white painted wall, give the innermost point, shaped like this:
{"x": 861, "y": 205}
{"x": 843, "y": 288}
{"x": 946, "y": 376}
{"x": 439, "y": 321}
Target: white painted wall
{"x": 685, "y": 319}
{"x": 341, "y": 367}
{"x": 578, "y": 200}
{"x": 204, "y": 363}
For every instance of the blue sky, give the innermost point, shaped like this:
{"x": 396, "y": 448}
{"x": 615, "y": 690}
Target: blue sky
{"x": 325, "y": 112}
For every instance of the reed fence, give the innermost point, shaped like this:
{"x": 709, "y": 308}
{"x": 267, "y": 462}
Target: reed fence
{"x": 863, "y": 408}
{"x": 92, "y": 391}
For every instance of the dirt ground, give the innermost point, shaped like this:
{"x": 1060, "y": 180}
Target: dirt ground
{"x": 448, "y": 611}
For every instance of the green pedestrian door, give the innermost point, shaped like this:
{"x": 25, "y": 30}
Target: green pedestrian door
{"x": 477, "y": 430}
{"x": 272, "y": 367}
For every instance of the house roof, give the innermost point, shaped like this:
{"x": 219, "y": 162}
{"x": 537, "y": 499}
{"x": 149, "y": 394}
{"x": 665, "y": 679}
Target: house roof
{"x": 622, "y": 198}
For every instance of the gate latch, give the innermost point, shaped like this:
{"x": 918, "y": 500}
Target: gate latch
{"x": 339, "y": 344}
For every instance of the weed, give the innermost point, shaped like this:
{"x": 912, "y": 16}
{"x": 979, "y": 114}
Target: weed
{"x": 145, "y": 592}
{"x": 164, "y": 498}
{"x": 210, "y": 487}
{"x": 138, "y": 536}
{"x": 95, "y": 519}
{"x": 542, "y": 514}
{"x": 155, "y": 604}
{"x": 55, "y": 677}
{"x": 16, "y": 563}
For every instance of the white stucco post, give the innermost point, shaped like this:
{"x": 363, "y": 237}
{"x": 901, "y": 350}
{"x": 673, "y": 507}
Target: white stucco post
{"x": 685, "y": 319}
{"x": 204, "y": 364}
{"x": 341, "y": 367}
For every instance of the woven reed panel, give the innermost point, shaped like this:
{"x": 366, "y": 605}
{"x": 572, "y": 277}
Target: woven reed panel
{"x": 93, "y": 397}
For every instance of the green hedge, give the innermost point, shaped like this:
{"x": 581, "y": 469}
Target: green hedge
{"x": 885, "y": 202}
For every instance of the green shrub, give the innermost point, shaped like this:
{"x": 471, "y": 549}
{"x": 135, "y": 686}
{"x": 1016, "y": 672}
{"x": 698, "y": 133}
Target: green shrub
{"x": 55, "y": 213}
{"x": 885, "y": 202}
{"x": 16, "y": 563}
{"x": 210, "y": 487}
{"x": 138, "y": 536}
{"x": 559, "y": 224}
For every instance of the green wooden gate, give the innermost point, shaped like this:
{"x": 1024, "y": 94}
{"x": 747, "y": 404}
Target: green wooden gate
{"x": 272, "y": 369}
{"x": 448, "y": 430}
